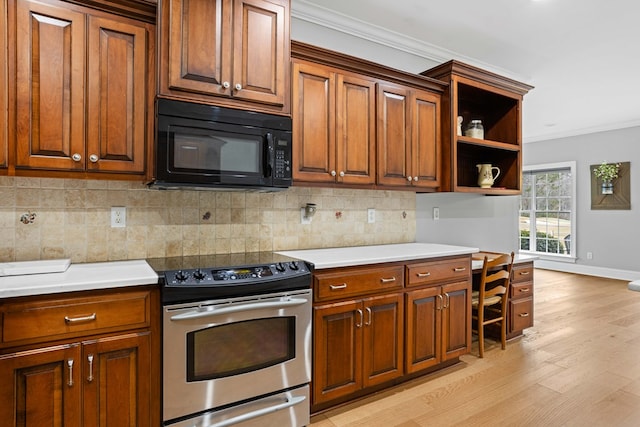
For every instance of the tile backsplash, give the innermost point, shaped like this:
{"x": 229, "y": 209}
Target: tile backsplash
{"x": 43, "y": 218}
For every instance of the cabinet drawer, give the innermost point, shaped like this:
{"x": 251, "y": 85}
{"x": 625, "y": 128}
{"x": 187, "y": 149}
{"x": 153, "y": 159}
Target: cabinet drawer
{"x": 522, "y": 273}
{"x": 521, "y": 312}
{"x": 521, "y": 290}
{"x": 425, "y": 273}
{"x": 353, "y": 282}
{"x": 51, "y": 319}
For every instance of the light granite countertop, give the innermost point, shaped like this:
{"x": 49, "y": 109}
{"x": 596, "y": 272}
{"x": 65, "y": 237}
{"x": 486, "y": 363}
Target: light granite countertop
{"x": 360, "y": 255}
{"x": 80, "y": 277}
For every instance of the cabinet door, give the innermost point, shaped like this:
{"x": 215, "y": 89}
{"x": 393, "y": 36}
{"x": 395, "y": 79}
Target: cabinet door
{"x": 456, "y": 320}
{"x": 383, "y": 339}
{"x": 261, "y": 51}
{"x": 314, "y": 127}
{"x": 337, "y": 354}
{"x": 116, "y": 377}
{"x": 117, "y": 96}
{"x": 394, "y": 136}
{"x": 4, "y": 86}
{"x": 41, "y": 388}
{"x": 355, "y": 132}
{"x": 197, "y": 34}
{"x": 424, "y": 323}
{"x": 50, "y": 71}
{"x": 425, "y": 147}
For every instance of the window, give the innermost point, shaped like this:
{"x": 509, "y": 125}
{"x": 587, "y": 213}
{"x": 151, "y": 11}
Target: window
{"x": 547, "y": 210}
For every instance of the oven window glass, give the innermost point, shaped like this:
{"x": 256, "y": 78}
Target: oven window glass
{"x": 239, "y": 347}
{"x": 219, "y": 153}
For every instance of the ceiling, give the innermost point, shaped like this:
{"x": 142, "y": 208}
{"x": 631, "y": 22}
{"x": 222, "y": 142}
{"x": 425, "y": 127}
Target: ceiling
{"x": 582, "y": 56}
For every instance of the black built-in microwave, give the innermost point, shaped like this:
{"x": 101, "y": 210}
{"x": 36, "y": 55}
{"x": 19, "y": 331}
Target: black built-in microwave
{"x": 205, "y": 146}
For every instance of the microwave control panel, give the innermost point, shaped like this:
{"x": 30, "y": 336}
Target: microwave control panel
{"x": 283, "y": 162}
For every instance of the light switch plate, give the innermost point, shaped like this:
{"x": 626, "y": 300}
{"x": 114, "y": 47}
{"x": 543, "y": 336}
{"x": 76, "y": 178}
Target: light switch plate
{"x": 371, "y": 215}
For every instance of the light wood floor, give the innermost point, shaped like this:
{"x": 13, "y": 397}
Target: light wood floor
{"x": 578, "y": 366}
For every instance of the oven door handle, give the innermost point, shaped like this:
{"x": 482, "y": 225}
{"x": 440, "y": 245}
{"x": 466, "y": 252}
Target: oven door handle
{"x": 260, "y": 412}
{"x": 197, "y": 314}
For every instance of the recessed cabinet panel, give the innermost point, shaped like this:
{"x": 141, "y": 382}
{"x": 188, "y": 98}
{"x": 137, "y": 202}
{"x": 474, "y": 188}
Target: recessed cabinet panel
{"x": 394, "y": 135}
{"x": 425, "y": 153}
{"x": 313, "y": 123}
{"x": 116, "y": 96}
{"x": 196, "y": 51}
{"x": 50, "y": 48}
{"x": 261, "y": 51}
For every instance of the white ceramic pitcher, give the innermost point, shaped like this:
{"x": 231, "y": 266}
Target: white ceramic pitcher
{"x": 486, "y": 177}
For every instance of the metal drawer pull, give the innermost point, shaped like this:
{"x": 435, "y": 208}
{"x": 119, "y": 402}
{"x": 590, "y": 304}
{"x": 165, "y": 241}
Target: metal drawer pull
{"x": 459, "y": 269}
{"x": 448, "y": 300}
{"x": 90, "y": 317}
{"x": 359, "y": 325}
{"x": 70, "y": 364}
{"x": 523, "y": 314}
{"x": 524, "y": 273}
{"x": 423, "y": 274}
{"x": 439, "y": 307}
{"x": 260, "y": 412}
{"x": 524, "y": 290}
{"x": 369, "y": 316}
{"x": 391, "y": 279}
{"x": 90, "y": 377}
{"x": 335, "y": 287}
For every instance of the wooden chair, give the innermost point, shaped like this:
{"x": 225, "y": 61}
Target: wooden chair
{"x": 489, "y": 302}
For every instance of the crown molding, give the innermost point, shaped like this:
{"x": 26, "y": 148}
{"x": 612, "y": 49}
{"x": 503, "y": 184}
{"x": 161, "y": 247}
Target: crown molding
{"x": 583, "y": 131}
{"x": 305, "y": 11}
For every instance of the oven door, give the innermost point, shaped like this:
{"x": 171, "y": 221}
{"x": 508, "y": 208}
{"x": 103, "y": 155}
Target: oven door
{"x": 217, "y": 353}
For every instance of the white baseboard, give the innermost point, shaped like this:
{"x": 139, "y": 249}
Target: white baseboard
{"x": 610, "y": 273}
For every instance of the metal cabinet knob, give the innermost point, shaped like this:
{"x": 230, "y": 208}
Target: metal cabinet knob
{"x": 415, "y": 178}
{"x": 409, "y": 178}
{"x": 238, "y": 86}
{"x": 76, "y": 157}
{"x": 93, "y": 158}
{"x": 333, "y": 173}
{"x": 341, "y": 173}
{"x": 226, "y": 85}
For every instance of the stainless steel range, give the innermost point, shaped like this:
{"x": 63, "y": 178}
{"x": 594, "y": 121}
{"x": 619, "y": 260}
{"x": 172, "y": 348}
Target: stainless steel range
{"x": 236, "y": 341}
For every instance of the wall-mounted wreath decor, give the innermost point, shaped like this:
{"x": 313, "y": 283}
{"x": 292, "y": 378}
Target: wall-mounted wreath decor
{"x": 617, "y": 196}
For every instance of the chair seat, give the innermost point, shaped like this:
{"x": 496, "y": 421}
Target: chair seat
{"x": 475, "y": 296}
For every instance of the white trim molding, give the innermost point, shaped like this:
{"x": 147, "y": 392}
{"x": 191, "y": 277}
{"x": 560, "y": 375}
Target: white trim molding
{"x": 610, "y": 273}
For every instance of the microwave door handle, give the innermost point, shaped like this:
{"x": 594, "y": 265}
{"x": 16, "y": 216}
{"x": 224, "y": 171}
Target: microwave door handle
{"x": 197, "y": 314}
{"x": 268, "y": 155}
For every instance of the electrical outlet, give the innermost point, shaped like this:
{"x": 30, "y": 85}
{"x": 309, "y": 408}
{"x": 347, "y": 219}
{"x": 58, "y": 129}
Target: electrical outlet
{"x": 436, "y": 214}
{"x": 589, "y": 255}
{"x": 118, "y": 216}
{"x": 371, "y": 215}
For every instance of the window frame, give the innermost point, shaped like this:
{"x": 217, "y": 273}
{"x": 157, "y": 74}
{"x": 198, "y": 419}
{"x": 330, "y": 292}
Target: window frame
{"x": 571, "y": 257}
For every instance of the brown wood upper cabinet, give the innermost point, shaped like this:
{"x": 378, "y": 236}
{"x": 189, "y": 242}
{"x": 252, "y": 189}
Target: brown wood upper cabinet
{"x": 4, "y": 100}
{"x": 233, "y": 53}
{"x": 408, "y": 137}
{"x": 476, "y": 94}
{"x": 334, "y": 125}
{"x": 81, "y": 89}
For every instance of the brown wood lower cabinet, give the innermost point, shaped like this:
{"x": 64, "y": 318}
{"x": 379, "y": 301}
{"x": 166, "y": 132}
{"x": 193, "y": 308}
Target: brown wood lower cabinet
{"x": 378, "y": 325}
{"x": 437, "y": 325}
{"x": 107, "y": 379}
{"x": 358, "y": 343}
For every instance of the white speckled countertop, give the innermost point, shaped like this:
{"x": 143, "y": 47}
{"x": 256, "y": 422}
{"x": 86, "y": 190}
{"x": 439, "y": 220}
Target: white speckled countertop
{"x": 360, "y": 255}
{"x": 80, "y": 277}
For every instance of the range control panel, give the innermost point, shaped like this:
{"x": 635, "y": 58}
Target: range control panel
{"x": 235, "y": 275}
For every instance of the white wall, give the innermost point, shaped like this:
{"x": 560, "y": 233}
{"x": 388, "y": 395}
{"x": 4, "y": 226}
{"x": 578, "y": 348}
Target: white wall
{"x": 612, "y": 236}
{"x": 486, "y": 222}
